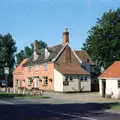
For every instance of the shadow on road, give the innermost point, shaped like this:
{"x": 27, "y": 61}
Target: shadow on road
{"x": 52, "y": 111}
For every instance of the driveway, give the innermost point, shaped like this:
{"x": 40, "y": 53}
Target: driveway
{"x": 80, "y": 97}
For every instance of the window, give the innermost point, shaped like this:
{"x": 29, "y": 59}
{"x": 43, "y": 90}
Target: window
{"x": 81, "y": 78}
{"x": 85, "y": 78}
{"x": 45, "y": 82}
{"x": 36, "y": 67}
{"x": 66, "y": 78}
{"x": 29, "y": 68}
{"x": 23, "y": 83}
{"x": 45, "y": 66}
{"x": 30, "y": 81}
{"x": 118, "y": 83}
{"x": 66, "y": 82}
{"x": 71, "y": 78}
{"x": 16, "y": 83}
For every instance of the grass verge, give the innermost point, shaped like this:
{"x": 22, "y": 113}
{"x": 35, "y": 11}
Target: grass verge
{"x": 14, "y": 95}
{"x": 115, "y": 107}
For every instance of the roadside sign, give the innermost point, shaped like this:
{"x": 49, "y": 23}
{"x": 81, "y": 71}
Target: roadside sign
{"x": 6, "y": 70}
{"x": 3, "y": 82}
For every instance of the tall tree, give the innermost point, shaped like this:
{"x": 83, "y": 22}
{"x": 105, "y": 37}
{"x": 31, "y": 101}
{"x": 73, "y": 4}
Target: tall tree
{"x": 103, "y": 41}
{"x": 7, "y": 53}
{"x": 20, "y": 56}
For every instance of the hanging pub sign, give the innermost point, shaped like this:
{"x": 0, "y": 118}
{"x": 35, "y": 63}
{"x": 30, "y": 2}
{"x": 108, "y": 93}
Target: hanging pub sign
{"x": 6, "y": 70}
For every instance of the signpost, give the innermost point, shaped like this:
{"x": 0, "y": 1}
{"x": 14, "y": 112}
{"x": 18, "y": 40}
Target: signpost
{"x": 6, "y": 71}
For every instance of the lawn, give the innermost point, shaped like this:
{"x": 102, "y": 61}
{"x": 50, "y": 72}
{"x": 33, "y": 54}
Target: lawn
{"x": 15, "y": 95}
{"x": 115, "y": 107}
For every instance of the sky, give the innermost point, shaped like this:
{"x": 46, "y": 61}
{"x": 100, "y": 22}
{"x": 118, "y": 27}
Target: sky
{"x": 29, "y": 20}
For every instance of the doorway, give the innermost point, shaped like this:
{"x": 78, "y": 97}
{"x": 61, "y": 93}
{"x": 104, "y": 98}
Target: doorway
{"x": 103, "y": 87}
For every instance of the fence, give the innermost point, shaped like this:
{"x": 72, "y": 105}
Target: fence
{"x": 22, "y": 91}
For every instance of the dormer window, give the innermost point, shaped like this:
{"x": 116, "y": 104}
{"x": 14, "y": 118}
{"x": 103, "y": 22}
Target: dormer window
{"x": 47, "y": 54}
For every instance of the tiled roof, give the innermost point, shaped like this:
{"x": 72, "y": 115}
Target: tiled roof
{"x": 19, "y": 68}
{"x": 112, "y": 72}
{"x": 83, "y": 55}
{"x": 54, "y": 50}
{"x": 72, "y": 69}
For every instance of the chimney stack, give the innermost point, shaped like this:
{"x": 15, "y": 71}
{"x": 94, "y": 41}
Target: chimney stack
{"x": 35, "y": 45}
{"x": 35, "y": 55}
{"x": 65, "y": 36}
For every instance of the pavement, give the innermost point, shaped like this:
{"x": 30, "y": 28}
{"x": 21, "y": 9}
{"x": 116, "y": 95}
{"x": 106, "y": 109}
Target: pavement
{"x": 58, "y": 107}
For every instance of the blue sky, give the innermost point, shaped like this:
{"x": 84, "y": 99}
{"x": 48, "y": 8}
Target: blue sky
{"x": 45, "y": 20}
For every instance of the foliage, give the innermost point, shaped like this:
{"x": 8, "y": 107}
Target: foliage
{"x": 103, "y": 41}
{"x": 28, "y": 51}
{"x": 7, "y": 54}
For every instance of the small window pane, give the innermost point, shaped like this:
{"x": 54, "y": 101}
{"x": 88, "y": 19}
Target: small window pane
{"x": 45, "y": 67}
{"x": 71, "y": 78}
{"x": 85, "y": 78}
{"x": 118, "y": 83}
{"x": 81, "y": 78}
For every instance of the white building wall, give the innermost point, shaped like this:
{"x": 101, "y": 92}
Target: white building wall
{"x": 100, "y": 87}
{"x": 86, "y": 85}
{"x": 58, "y": 81}
{"x": 77, "y": 85}
{"x": 112, "y": 88}
{"x": 73, "y": 85}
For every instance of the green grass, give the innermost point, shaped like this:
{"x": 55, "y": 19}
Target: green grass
{"x": 14, "y": 95}
{"x": 116, "y": 107}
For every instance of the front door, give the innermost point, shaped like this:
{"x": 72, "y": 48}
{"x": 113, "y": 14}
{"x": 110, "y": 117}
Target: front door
{"x": 36, "y": 83}
{"x": 103, "y": 87}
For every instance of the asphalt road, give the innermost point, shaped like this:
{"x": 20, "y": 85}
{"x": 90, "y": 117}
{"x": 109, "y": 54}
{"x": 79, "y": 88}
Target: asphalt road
{"x": 28, "y": 111}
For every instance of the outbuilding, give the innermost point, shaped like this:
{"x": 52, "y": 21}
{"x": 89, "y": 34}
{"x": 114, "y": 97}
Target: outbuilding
{"x": 109, "y": 81}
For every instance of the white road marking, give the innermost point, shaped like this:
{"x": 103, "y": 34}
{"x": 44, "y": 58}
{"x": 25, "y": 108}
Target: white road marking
{"x": 66, "y": 114}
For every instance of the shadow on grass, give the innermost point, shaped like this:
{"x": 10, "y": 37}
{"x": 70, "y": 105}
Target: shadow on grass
{"x": 53, "y": 111}
{"x": 10, "y": 95}
{"x": 13, "y": 95}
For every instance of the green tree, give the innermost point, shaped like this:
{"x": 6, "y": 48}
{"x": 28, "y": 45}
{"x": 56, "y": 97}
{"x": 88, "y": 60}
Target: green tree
{"x": 103, "y": 41}
{"x": 7, "y": 54}
{"x": 20, "y": 56}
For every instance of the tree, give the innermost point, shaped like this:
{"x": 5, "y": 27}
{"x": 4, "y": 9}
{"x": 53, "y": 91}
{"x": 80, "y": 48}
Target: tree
{"x": 7, "y": 54}
{"x": 103, "y": 41}
{"x": 20, "y": 56}
{"x": 28, "y": 51}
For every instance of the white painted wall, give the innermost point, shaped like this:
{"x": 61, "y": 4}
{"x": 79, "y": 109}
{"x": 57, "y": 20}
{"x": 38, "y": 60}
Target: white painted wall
{"x": 86, "y": 85}
{"x": 73, "y": 85}
{"x": 111, "y": 88}
{"x": 58, "y": 81}
{"x": 100, "y": 87}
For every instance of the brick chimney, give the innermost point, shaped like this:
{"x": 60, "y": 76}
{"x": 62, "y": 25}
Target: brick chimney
{"x": 35, "y": 45}
{"x": 65, "y": 37}
{"x": 35, "y": 51}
